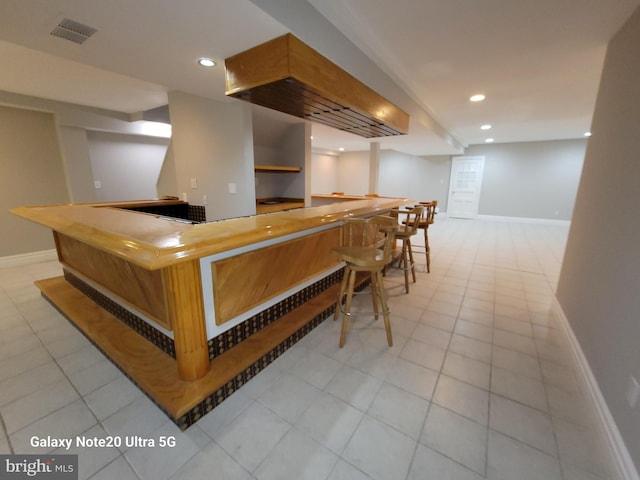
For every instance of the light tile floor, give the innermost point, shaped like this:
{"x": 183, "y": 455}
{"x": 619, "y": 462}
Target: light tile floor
{"x": 480, "y": 382}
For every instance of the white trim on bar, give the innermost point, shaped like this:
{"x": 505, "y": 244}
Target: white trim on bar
{"x": 620, "y": 456}
{"x": 213, "y": 330}
{"x": 119, "y": 300}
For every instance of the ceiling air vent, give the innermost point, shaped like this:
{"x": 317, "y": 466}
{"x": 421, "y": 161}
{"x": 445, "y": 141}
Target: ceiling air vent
{"x": 73, "y": 31}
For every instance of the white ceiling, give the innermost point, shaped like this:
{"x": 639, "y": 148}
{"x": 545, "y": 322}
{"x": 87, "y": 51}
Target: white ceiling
{"x": 537, "y": 62}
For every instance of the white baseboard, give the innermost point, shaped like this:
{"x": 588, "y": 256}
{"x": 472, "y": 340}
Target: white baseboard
{"x": 540, "y": 221}
{"x": 27, "y": 258}
{"x": 626, "y": 469}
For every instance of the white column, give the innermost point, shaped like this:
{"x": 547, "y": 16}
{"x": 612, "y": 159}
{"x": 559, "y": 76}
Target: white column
{"x": 374, "y": 166}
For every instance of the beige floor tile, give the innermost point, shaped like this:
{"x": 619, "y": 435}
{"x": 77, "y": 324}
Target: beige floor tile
{"x": 330, "y": 421}
{"x": 471, "y": 347}
{"x": 297, "y": 456}
{"x": 399, "y": 409}
{"x": 474, "y": 330}
{"x": 413, "y": 378}
{"x": 355, "y": 387}
{"x": 462, "y": 398}
{"x": 429, "y": 464}
{"x": 456, "y": 437}
{"x": 467, "y": 370}
{"x": 251, "y": 436}
{"x": 424, "y": 355}
{"x": 438, "y": 320}
{"x": 509, "y": 459}
{"x": 523, "y": 423}
{"x": 521, "y": 389}
{"x": 380, "y": 451}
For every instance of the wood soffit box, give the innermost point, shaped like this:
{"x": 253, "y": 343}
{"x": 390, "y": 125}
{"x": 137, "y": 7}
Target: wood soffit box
{"x": 287, "y": 75}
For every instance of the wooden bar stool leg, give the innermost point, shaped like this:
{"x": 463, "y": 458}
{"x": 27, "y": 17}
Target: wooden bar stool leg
{"x": 347, "y": 308}
{"x": 374, "y": 294}
{"x": 385, "y": 309}
{"x": 406, "y": 265}
{"x": 427, "y": 250}
{"x": 343, "y": 288}
{"x": 413, "y": 265}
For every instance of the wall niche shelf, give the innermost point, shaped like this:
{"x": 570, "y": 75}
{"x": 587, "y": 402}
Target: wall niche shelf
{"x": 277, "y": 169}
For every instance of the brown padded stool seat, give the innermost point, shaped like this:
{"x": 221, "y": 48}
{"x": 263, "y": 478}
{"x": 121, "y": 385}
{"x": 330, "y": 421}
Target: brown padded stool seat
{"x": 366, "y": 247}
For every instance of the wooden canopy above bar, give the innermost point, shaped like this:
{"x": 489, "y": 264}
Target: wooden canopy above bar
{"x": 287, "y": 75}
{"x": 153, "y": 243}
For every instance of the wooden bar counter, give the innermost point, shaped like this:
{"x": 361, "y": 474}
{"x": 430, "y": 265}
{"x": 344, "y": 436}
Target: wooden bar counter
{"x": 191, "y": 311}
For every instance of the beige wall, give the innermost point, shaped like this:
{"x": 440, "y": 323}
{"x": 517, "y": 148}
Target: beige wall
{"x": 353, "y": 173}
{"x": 530, "y": 179}
{"x": 419, "y": 178}
{"x": 213, "y": 143}
{"x": 599, "y": 284}
{"x": 127, "y": 166}
{"x": 324, "y": 173}
{"x": 31, "y": 173}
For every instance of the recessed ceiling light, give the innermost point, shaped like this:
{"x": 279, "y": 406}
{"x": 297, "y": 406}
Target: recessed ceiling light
{"x": 489, "y": 140}
{"x": 341, "y": 149}
{"x": 587, "y": 134}
{"x": 206, "y": 62}
{"x": 485, "y": 127}
{"x": 477, "y": 98}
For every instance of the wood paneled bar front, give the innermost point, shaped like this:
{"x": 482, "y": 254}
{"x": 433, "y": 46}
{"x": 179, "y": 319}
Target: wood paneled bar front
{"x": 191, "y": 311}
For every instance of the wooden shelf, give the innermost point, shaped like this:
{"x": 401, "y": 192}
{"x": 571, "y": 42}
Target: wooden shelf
{"x": 277, "y": 169}
{"x": 277, "y": 204}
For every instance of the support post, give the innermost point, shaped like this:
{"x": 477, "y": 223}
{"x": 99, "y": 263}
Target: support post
{"x": 183, "y": 291}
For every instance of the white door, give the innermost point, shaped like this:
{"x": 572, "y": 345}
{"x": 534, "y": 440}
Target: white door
{"x": 464, "y": 188}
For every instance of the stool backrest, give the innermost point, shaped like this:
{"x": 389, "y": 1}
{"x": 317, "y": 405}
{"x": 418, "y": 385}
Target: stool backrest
{"x": 378, "y": 232}
{"x": 430, "y": 211}
{"x": 410, "y": 218}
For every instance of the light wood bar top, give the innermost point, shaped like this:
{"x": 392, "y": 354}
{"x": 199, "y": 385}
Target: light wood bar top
{"x": 154, "y": 243}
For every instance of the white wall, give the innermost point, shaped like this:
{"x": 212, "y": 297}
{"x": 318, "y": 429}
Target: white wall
{"x": 212, "y": 142}
{"x": 530, "y": 179}
{"x": 72, "y": 123}
{"x": 599, "y": 282}
{"x": 74, "y": 148}
{"x": 289, "y": 149}
{"x": 31, "y": 173}
{"x": 417, "y": 178}
{"x": 126, "y": 166}
{"x": 324, "y": 173}
{"x": 353, "y": 173}
{"x": 267, "y": 183}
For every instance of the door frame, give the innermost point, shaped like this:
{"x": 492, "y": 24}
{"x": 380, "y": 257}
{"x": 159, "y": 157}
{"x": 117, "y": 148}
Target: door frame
{"x": 478, "y": 189}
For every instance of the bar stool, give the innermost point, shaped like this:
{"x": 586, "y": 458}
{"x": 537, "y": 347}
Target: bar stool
{"x": 366, "y": 247}
{"x": 427, "y": 219}
{"x": 408, "y": 227}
